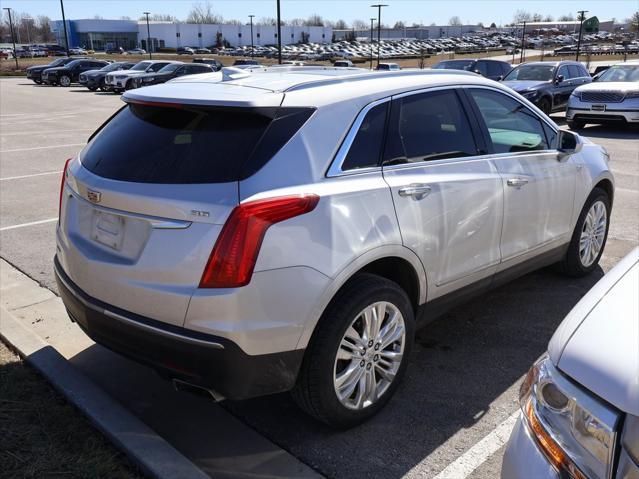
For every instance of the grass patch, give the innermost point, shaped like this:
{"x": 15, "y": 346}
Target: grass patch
{"x": 45, "y": 436}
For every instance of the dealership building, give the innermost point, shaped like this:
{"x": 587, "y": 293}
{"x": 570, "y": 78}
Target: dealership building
{"x": 101, "y": 34}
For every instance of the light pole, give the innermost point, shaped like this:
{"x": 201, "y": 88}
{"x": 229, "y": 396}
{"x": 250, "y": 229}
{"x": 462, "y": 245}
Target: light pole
{"x": 26, "y": 21}
{"x": 279, "y": 35}
{"x": 372, "y": 20}
{"x": 582, "y": 15}
{"x": 379, "y": 26}
{"x": 13, "y": 38}
{"x": 252, "y": 45}
{"x": 523, "y": 44}
{"x": 148, "y": 35}
{"x": 64, "y": 24}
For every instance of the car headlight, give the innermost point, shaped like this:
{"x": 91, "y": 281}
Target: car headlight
{"x": 576, "y": 431}
{"x": 529, "y": 93}
{"x": 148, "y": 80}
{"x": 576, "y": 94}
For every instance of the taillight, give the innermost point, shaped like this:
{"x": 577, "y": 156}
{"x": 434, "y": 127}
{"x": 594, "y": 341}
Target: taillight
{"x": 235, "y": 252}
{"x": 64, "y": 177}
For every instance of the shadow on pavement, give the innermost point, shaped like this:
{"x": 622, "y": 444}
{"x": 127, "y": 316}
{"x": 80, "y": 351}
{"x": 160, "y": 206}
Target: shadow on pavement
{"x": 460, "y": 369}
{"x": 461, "y": 364}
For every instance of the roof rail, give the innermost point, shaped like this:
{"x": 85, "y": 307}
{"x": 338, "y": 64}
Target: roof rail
{"x": 375, "y": 75}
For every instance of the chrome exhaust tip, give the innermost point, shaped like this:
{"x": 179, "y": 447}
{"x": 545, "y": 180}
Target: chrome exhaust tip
{"x": 183, "y": 386}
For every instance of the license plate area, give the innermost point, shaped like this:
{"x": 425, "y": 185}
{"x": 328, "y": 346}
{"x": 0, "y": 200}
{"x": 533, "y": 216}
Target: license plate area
{"x": 598, "y": 107}
{"x": 107, "y": 229}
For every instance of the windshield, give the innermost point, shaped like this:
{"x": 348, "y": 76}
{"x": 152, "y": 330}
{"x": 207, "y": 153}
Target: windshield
{"x": 111, "y": 67}
{"x": 141, "y": 66}
{"x": 531, "y": 72}
{"x": 71, "y": 64}
{"x": 59, "y": 62}
{"x": 454, "y": 65}
{"x": 171, "y": 67}
{"x": 629, "y": 73}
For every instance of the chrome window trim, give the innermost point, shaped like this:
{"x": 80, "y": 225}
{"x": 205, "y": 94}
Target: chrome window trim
{"x": 335, "y": 170}
{"x": 336, "y": 166}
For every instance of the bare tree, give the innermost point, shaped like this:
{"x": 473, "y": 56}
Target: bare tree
{"x": 360, "y": 24}
{"x": 160, "y": 17}
{"x": 634, "y": 22}
{"x": 567, "y": 18}
{"x": 314, "y": 20}
{"x": 268, "y": 21}
{"x": 340, "y": 25}
{"x": 98, "y": 17}
{"x": 493, "y": 25}
{"x": 455, "y": 21}
{"x": 296, "y": 22}
{"x": 203, "y": 13}
{"x": 126, "y": 17}
{"x": 399, "y": 25}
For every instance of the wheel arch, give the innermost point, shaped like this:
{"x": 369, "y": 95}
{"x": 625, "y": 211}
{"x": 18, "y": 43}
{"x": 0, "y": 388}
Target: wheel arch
{"x": 606, "y": 185}
{"x": 394, "y": 262}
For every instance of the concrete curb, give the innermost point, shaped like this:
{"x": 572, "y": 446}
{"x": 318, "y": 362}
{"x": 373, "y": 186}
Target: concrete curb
{"x": 142, "y": 445}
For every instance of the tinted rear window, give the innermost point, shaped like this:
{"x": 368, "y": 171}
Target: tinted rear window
{"x": 149, "y": 144}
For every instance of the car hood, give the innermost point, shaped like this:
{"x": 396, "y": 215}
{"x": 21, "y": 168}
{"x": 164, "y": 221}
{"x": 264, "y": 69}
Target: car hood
{"x": 521, "y": 85}
{"x": 55, "y": 69}
{"x": 155, "y": 75}
{"x": 620, "y": 86}
{"x": 130, "y": 73}
{"x": 597, "y": 344}
{"x": 39, "y": 68}
{"x": 92, "y": 73}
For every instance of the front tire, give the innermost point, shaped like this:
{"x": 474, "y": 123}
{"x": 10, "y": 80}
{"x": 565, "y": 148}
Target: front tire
{"x": 358, "y": 353}
{"x": 65, "y": 81}
{"x": 575, "y": 125}
{"x": 129, "y": 85}
{"x": 589, "y": 237}
{"x": 544, "y": 105}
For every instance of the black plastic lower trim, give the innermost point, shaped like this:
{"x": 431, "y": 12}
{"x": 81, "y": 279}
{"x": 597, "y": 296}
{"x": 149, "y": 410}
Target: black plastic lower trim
{"x": 200, "y": 359}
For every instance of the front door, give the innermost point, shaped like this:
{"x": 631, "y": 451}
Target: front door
{"x": 447, "y": 196}
{"x": 538, "y": 182}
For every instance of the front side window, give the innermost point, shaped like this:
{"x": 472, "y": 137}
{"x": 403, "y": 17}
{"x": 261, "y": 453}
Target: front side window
{"x": 366, "y": 147}
{"x": 563, "y": 71}
{"x": 429, "y": 126}
{"x": 512, "y": 127}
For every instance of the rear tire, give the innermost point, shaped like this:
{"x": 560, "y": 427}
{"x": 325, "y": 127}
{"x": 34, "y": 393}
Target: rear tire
{"x": 129, "y": 85}
{"x": 589, "y": 237}
{"x": 364, "y": 363}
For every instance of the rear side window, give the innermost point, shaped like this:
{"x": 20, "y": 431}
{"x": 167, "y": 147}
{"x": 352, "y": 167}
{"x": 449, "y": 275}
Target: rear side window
{"x": 429, "y": 126}
{"x": 150, "y": 144}
{"x": 366, "y": 147}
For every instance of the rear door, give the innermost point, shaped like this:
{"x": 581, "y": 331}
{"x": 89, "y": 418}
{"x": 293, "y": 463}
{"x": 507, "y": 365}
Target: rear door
{"x": 144, "y": 204}
{"x": 447, "y": 194}
{"x": 538, "y": 184}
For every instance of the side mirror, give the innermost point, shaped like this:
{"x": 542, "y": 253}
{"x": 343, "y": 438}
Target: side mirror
{"x": 559, "y": 79}
{"x": 501, "y": 77}
{"x": 568, "y": 143}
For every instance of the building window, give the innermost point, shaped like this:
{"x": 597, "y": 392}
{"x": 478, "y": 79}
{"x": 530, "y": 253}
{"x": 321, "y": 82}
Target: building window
{"x": 276, "y": 35}
{"x": 292, "y": 35}
{"x": 258, "y": 35}
{"x": 199, "y": 34}
{"x": 323, "y": 35}
{"x": 239, "y": 35}
{"x": 177, "y": 34}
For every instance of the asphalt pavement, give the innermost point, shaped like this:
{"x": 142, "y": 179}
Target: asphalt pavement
{"x": 463, "y": 380}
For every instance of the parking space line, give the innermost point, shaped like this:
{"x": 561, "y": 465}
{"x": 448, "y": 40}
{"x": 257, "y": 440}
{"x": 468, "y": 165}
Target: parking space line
{"x": 32, "y": 223}
{"x": 30, "y": 176}
{"x": 42, "y": 147}
{"x": 465, "y": 464}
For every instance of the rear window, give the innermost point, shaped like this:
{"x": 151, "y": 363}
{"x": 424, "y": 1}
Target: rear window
{"x": 454, "y": 65}
{"x": 150, "y": 144}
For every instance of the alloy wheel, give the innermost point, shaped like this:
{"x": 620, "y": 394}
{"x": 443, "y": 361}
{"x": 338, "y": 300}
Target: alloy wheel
{"x": 369, "y": 355}
{"x": 593, "y": 233}
{"x": 65, "y": 81}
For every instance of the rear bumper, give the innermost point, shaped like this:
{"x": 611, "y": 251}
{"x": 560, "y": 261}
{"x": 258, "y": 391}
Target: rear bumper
{"x": 197, "y": 358}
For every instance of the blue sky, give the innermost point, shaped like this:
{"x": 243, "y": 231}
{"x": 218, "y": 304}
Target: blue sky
{"x": 409, "y": 11}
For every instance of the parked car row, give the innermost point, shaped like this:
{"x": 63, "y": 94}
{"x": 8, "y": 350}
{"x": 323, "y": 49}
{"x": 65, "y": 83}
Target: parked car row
{"x": 612, "y": 95}
{"x": 116, "y": 76}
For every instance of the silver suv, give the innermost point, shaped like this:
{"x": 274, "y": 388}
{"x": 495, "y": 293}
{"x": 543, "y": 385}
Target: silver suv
{"x": 257, "y": 232}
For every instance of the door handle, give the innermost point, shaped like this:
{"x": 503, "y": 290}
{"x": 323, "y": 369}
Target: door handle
{"x": 415, "y": 190}
{"x": 517, "y": 182}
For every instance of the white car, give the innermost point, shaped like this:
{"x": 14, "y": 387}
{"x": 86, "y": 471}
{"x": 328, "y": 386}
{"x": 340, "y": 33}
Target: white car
{"x": 122, "y": 80}
{"x": 580, "y": 402}
{"x": 258, "y": 231}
